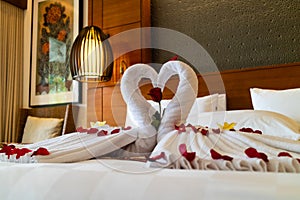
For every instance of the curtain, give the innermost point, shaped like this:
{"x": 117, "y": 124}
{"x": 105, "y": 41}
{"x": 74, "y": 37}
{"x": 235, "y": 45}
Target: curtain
{"x": 11, "y": 69}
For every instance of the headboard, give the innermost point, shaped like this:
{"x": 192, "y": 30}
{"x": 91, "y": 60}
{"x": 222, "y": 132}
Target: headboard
{"x": 111, "y": 107}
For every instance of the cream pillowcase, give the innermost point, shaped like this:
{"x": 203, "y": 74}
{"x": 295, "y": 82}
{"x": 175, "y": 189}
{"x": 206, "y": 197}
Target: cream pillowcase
{"x": 270, "y": 123}
{"x": 285, "y": 102}
{"x": 37, "y": 129}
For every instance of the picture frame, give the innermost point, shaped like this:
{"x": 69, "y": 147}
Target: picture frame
{"x": 55, "y": 25}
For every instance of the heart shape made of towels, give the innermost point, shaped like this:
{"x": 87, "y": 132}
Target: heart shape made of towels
{"x": 179, "y": 107}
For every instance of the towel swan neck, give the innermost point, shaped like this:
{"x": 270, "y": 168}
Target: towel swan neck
{"x": 137, "y": 104}
{"x": 179, "y": 107}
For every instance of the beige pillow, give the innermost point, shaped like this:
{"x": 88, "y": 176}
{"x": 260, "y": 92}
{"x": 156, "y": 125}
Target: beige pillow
{"x": 37, "y": 129}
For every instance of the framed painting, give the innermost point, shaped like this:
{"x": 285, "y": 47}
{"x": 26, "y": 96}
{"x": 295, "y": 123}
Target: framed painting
{"x": 55, "y": 25}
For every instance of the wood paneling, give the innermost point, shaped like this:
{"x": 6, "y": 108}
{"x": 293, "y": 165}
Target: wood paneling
{"x": 120, "y": 12}
{"x": 116, "y": 16}
{"x": 114, "y": 107}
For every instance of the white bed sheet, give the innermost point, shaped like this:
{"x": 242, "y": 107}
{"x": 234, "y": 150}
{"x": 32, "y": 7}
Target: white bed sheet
{"x": 123, "y": 179}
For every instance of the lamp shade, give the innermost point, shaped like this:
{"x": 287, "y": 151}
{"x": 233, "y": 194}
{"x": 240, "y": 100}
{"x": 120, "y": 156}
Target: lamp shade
{"x": 91, "y": 57}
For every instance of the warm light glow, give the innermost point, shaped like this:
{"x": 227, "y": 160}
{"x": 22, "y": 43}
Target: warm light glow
{"x": 91, "y": 56}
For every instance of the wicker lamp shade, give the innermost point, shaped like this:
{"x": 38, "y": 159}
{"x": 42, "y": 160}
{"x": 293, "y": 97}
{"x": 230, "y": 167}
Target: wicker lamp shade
{"x": 91, "y": 57}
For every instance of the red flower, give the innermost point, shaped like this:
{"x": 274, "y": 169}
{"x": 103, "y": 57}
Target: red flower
{"x": 156, "y": 94}
{"x": 253, "y": 153}
{"x": 180, "y": 128}
{"x": 190, "y": 156}
{"x": 40, "y": 152}
{"x": 154, "y": 158}
{"x": 215, "y": 155}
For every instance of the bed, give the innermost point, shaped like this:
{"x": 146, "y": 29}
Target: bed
{"x": 129, "y": 177}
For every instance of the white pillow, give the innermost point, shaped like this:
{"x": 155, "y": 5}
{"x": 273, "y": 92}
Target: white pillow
{"x": 270, "y": 123}
{"x": 207, "y": 103}
{"x": 285, "y": 102}
{"x": 37, "y": 129}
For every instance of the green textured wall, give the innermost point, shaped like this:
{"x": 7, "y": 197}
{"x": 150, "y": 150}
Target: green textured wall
{"x": 236, "y": 33}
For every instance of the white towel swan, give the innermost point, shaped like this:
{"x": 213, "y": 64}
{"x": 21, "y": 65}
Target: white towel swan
{"x": 178, "y": 109}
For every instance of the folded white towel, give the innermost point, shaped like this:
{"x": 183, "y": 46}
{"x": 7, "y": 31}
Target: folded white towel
{"x": 229, "y": 143}
{"x": 178, "y": 109}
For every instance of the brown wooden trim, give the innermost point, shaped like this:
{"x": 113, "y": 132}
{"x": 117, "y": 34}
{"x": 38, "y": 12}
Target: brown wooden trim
{"x": 19, "y": 3}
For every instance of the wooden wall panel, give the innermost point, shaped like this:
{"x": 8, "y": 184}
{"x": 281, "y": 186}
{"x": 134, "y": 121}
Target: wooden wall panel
{"x": 114, "y": 107}
{"x": 95, "y": 104}
{"x": 120, "y": 12}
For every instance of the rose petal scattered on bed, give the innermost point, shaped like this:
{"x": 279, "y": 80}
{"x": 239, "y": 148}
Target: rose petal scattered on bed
{"x": 215, "y": 155}
{"x": 92, "y": 131}
{"x": 81, "y": 130}
{"x": 192, "y": 127}
{"x": 162, "y": 155}
{"x": 250, "y": 130}
{"x": 117, "y": 130}
{"x": 203, "y": 131}
{"x": 126, "y": 128}
{"x": 253, "y": 153}
{"x": 102, "y": 133}
{"x": 216, "y": 130}
{"x": 180, "y": 128}
{"x": 190, "y": 156}
{"x": 22, "y": 152}
{"x": 41, "y": 152}
{"x": 284, "y": 154}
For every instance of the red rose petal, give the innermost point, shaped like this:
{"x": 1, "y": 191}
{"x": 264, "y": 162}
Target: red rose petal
{"x": 253, "y": 153}
{"x": 192, "y": 127}
{"x": 127, "y": 128}
{"x": 217, "y": 131}
{"x": 92, "y": 131}
{"x": 264, "y": 157}
{"x": 154, "y": 158}
{"x": 22, "y": 152}
{"x": 204, "y": 131}
{"x": 190, "y": 156}
{"x": 182, "y": 149}
{"x": 180, "y": 128}
{"x": 115, "y": 131}
{"x": 284, "y": 154}
{"x": 41, "y": 152}
{"x": 215, "y": 155}
{"x": 81, "y": 130}
{"x": 102, "y": 133}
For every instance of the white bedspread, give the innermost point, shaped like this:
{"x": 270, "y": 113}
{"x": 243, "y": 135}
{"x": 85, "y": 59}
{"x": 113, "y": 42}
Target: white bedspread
{"x": 120, "y": 179}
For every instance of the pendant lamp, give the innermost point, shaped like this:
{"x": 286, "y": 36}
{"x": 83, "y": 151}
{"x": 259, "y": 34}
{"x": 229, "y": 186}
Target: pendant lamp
{"x": 91, "y": 57}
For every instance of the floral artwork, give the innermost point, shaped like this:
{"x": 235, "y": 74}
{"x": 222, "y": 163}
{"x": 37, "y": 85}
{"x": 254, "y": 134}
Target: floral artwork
{"x": 54, "y": 31}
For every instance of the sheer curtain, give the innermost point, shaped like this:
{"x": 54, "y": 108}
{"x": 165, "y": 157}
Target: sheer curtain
{"x": 11, "y": 69}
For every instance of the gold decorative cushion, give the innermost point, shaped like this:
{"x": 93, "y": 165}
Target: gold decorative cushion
{"x": 37, "y": 129}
